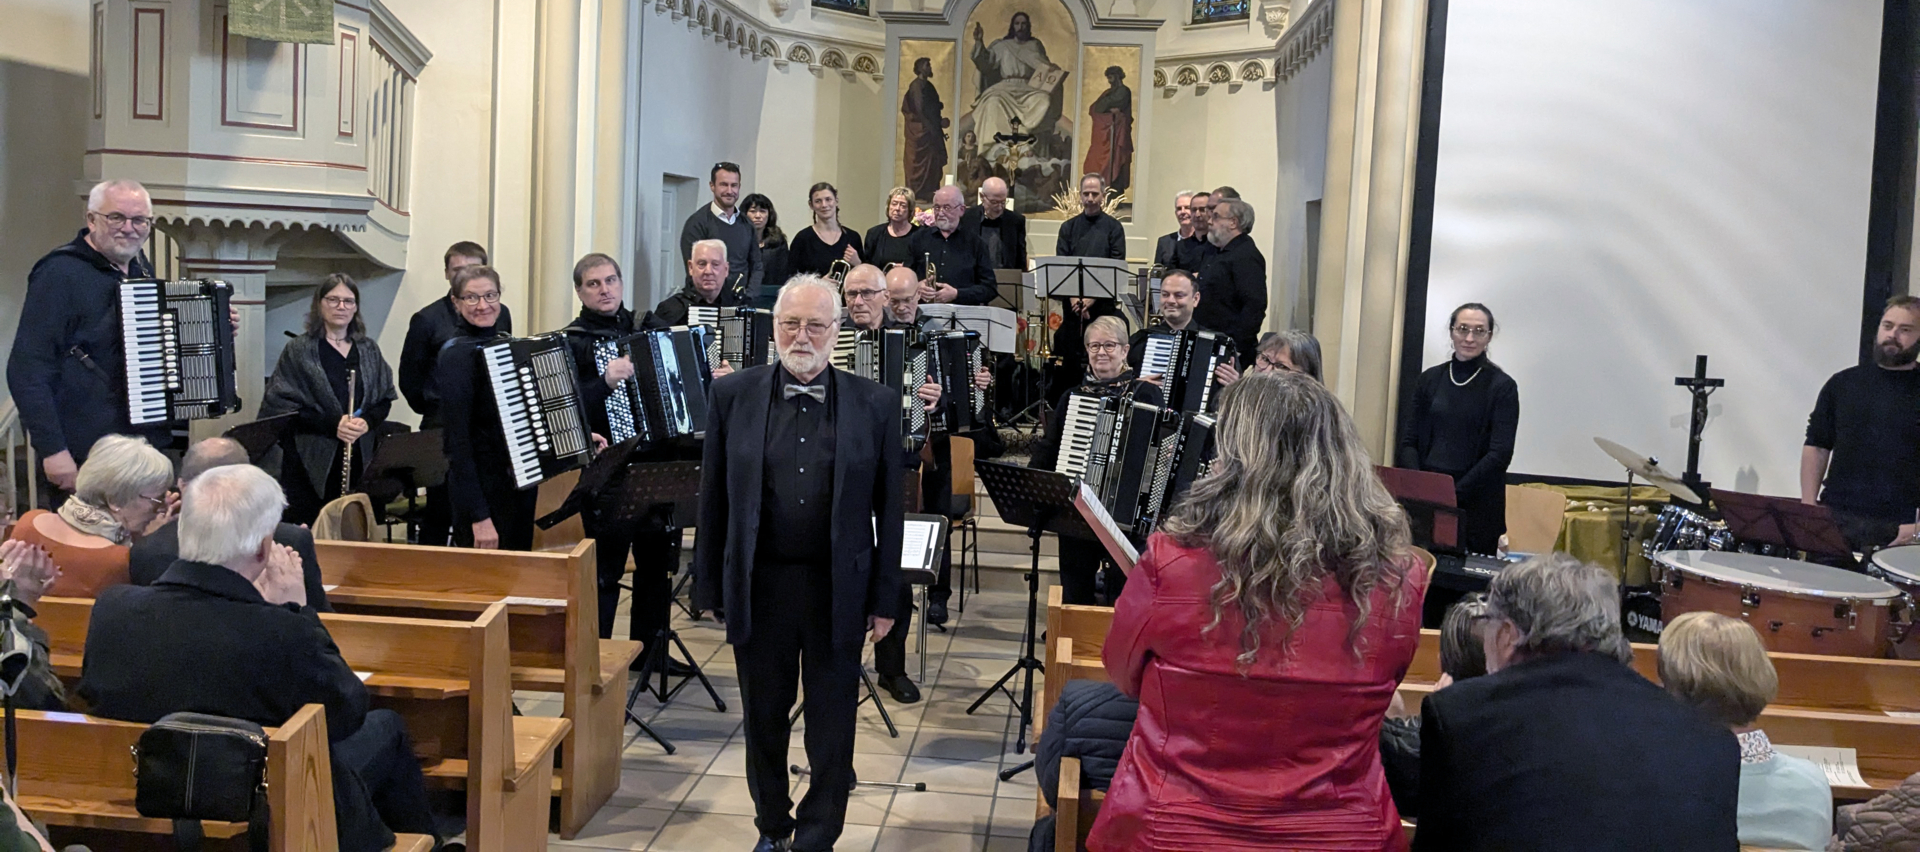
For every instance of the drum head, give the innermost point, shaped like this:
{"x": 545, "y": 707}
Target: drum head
{"x": 1776, "y": 574}
{"x": 1902, "y": 562}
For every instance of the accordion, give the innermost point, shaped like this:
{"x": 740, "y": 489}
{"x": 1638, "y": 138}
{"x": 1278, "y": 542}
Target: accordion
{"x": 1185, "y": 360}
{"x": 1137, "y": 458}
{"x": 179, "y": 350}
{"x": 952, "y": 358}
{"x": 886, "y": 356}
{"x": 1181, "y": 454}
{"x": 667, "y": 395}
{"x": 741, "y": 336}
{"x": 539, "y": 405}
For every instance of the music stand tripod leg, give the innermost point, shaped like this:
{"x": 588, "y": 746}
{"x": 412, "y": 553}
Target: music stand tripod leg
{"x": 633, "y": 694}
{"x": 1027, "y": 663}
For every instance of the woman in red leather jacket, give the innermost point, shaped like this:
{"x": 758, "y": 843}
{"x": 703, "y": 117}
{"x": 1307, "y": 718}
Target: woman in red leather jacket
{"x": 1264, "y": 632}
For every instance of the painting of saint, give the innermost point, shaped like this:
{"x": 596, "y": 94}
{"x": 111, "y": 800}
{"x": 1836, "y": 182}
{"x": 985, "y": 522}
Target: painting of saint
{"x": 1016, "y": 108}
{"x": 925, "y": 154}
{"x": 1110, "y": 150}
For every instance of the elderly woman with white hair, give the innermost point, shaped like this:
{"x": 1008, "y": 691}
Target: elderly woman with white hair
{"x": 119, "y": 495}
{"x": 1563, "y": 739}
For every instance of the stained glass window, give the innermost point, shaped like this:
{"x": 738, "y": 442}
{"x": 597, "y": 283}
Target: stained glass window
{"x": 1216, "y": 11}
{"x": 851, "y": 7}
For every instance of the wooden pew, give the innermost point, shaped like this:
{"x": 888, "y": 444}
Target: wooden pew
{"x": 449, "y": 679}
{"x": 555, "y": 638}
{"x": 76, "y": 776}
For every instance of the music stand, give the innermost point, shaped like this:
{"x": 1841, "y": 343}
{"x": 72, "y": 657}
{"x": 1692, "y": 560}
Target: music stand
{"x": 1041, "y": 501}
{"x": 1429, "y": 501}
{"x": 663, "y": 493}
{"x": 414, "y": 460}
{"x": 261, "y": 436}
{"x": 1081, "y": 277}
{"x": 1785, "y": 522}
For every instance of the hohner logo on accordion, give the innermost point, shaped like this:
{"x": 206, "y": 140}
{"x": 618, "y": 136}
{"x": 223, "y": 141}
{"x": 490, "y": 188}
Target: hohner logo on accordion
{"x": 1185, "y": 361}
{"x": 179, "y": 350}
{"x": 742, "y": 336}
{"x": 1137, "y": 457}
{"x": 667, "y": 395}
{"x": 535, "y": 393}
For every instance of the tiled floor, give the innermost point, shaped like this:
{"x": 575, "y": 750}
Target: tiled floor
{"x": 696, "y": 799}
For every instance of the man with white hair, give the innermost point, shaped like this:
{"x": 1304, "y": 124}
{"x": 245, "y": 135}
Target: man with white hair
{"x": 67, "y": 369}
{"x": 1163, "y": 251}
{"x": 710, "y": 284}
{"x": 1002, "y": 231}
{"x": 800, "y": 528}
{"x": 960, "y": 274}
{"x": 227, "y": 630}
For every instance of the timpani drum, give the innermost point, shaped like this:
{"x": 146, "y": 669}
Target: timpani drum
{"x": 1901, "y": 567}
{"x": 1797, "y": 607}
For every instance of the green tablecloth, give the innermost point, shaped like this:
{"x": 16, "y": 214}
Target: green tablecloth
{"x": 1591, "y": 529}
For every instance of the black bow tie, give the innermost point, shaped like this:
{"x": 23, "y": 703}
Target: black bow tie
{"x": 818, "y": 392}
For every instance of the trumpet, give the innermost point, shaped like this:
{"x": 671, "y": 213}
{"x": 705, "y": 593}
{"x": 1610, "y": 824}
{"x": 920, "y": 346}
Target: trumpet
{"x": 837, "y": 272}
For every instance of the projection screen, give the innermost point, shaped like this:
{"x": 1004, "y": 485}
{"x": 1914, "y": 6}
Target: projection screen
{"x": 1629, "y": 184}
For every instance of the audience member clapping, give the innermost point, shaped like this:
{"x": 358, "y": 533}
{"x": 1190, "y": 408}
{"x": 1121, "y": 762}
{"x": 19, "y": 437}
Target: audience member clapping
{"x": 1716, "y": 664}
{"x": 1264, "y": 633}
{"x": 119, "y": 495}
{"x": 1563, "y": 745}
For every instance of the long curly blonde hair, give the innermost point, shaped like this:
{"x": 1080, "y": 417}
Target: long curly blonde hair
{"x": 1292, "y": 497}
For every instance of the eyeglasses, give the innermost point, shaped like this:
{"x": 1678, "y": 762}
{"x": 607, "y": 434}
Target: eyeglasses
{"x": 813, "y": 329}
{"x": 863, "y": 295}
{"x": 491, "y": 298}
{"x": 348, "y": 301}
{"x": 120, "y": 220}
{"x": 1104, "y": 346}
{"x": 1274, "y": 364}
{"x": 938, "y": 206}
{"x": 1472, "y": 331}
{"x": 159, "y": 502}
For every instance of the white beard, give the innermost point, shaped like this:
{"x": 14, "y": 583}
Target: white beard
{"x": 803, "y": 363}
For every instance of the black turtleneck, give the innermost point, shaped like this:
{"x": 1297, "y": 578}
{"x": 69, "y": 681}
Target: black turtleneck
{"x": 583, "y": 334}
{"x": 1099, "y": 235}
{"x": 1047, "y": 453}
{"x": 478, "y": 467}
{"x": 1462, "y": 424}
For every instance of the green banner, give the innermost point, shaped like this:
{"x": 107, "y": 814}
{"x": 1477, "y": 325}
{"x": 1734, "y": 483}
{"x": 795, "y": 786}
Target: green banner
{"x": 296, "y": 21}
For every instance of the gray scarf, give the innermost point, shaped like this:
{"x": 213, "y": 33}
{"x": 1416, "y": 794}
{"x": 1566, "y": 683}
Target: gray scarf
{"x": 94, "y": 520}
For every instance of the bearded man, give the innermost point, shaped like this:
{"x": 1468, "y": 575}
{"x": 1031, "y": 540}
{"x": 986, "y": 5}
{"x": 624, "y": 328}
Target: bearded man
{"x": 1862, "y": 456}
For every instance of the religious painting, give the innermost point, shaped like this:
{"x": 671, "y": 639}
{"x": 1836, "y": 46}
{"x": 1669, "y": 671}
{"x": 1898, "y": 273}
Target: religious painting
{"x": 1109, "y": 128}
{"x": 1016, "y": 106}
{"x": 926, "y": 69}
{"x": 851, "y": 7}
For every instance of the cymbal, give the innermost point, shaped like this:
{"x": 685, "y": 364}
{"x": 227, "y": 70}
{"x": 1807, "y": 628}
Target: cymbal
{"x": 1647, "y": 468}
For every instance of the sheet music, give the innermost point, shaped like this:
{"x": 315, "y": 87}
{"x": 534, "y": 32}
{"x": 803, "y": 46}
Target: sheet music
{"x": 1842, "y": 765}
{"x": 999, "y": 328}
{"x": 524, "y": 601}
{"x": 1108, "y": 532}
{"x": 917, "y": 545}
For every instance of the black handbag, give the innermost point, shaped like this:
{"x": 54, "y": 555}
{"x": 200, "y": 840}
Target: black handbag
{"x": 190, "y": 767}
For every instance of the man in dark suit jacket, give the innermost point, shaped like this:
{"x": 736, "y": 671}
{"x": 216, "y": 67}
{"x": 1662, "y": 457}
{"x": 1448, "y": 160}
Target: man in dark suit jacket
{"x": 1563, "y": 745}
{"x": 1002, "y": 231}
{"x": 153, "y": 555}
{"x": 800, "y": 527}
{"x": 227, "y": 631}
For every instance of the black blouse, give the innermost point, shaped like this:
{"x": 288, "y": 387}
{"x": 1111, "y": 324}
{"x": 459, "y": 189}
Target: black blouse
{"x": 335, "y": 365}
{"x": 1462, "y": 423}
{"x": 809, "y": 254}
{"x": 884, "y": 248}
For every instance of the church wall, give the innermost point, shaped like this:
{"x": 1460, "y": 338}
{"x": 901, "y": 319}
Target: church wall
{"x": 1300, "y": 121}
{"x": 43, "y": 134}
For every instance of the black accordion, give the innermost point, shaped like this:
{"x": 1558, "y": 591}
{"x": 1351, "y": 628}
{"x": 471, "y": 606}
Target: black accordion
{"x": 741, "y": 336}
{"x": 667, "y": 395}
{"x": 1137, "y": 458}
{"x": 889, "y": 357}
{"x": 953, "y": 357}
{"x": 179, "y": 350}
{"x": 541, "y": 414}
{"x": 1185, "y": 361}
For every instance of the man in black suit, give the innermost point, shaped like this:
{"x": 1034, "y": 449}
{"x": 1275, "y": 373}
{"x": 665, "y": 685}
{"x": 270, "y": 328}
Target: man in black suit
{"x": 227, "y": 631}
{"x": 1002, "y": 231}
{"x": 1563, "y": 745}
{"x": 1233, "y": 285}
{"x": 800, "y": 527}
{"x": 153, "y": 555}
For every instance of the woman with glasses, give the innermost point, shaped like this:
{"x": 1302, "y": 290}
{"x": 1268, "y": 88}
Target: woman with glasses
{"x": 886, "y": 243}
{"x": 773, "y": 245}
{"x": 489, "y": 511}
{"x": 1290, "y": 351}
{"x": 311, "y": 382}
{"x": 1106, "y": 342}
{"x": 1462, "y": 423}
{"x": 817, "y": 246}
{"x": 120, "y": 494}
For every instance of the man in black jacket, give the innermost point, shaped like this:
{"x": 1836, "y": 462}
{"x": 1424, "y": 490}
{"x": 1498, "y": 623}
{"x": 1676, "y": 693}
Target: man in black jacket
{"x": 1163, "y": 249}
{"x": 67, "y": 372}
{"x": 228, "y": 630}
{"x": 711, "y": 283}
{"x": 722, "y": 220}
{"x": 961, "y": 274}
{"x": 1563, "y": 745}
{"x": 1002, "y": 231}
{"x": 1192, "y": 251}
{"x": 800, "y": 528}
{"x": 1233, "y": 286}
{"x": 428, "y": 333}
{"x": 1093, "y": 233}
{"x": 153, "y": 554}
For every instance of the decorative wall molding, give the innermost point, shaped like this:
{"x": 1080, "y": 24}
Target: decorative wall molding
{"x": 1301, "y": 38}
{"x": 397, "y": 42}
{"x": 732, "y": 26}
